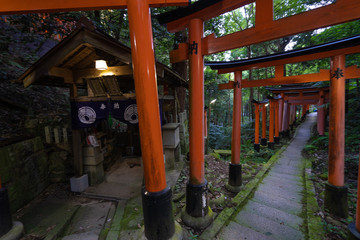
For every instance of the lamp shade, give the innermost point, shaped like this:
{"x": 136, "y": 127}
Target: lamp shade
{"x": 100, "y": 65}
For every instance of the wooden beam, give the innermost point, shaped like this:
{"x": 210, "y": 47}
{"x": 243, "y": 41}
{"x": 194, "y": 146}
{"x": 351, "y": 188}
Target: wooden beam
{"x": 21, "y": 6}
{"x": 339, "y": 12}
{"x": 313, "y": 97}
{"x": 125, "y": 70}
{"x": 228, "y": 85}
{"x": 323, "y": 75}
{"x": 65, "y": 73}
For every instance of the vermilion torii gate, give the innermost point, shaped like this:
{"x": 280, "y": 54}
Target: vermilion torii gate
{"x": 266, "y": 28}
{"x": 157, "y": 208}
{"x": 335, "y": 191}
{"x": 305, "y": 96}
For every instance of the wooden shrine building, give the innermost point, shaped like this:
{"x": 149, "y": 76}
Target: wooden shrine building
{"x": 100, "y": 94}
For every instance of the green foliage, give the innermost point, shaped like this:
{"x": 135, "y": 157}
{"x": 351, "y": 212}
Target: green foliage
{"x": 219, "y": 137}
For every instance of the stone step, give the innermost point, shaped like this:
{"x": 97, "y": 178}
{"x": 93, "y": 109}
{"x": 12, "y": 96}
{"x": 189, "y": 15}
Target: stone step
{"x": 47, "y": 219}
{"x": 291, "y": 186}
{"x": 273, "y": 177}
{"x": 285, "y": 193}
{"x": 235, "y": 231}
{"x": 268, "y": 227}
{"x": 89, "y": 221}
{"x": 277, "y": 202}
{"x": 285, "y": 176}
{"x": 274, "y": 214}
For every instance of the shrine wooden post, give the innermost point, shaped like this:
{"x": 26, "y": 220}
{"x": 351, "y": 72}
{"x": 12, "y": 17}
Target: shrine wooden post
{"x": 335, "y": 190}
{"x": 321, "y": 114}
{"x": 257, "y": 125}
{"x": 263, "y": 140}
{"x": 235, "y": 179}
{"x": 197, "y": 212}
{"x": 271, "y": 123}
{"x": 76, "y": 139}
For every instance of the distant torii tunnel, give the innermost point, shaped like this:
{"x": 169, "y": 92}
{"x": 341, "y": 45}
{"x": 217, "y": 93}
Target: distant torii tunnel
{"x": 336, "y": 191}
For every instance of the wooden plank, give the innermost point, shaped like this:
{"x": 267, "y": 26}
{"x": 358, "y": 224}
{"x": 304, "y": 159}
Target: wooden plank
{"x": 65, "y": 73}
{"x": 339, "y": 12}
{"x": 21, "y": 6}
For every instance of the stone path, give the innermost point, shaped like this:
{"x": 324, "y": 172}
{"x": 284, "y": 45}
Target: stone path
{"x": 274, "y": 212}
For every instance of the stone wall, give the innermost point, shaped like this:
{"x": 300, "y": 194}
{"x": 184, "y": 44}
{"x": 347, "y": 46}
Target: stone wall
{"x": 24, "y": 170}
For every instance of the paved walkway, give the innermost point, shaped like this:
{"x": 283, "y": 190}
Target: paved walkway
{"x": 274, "y": 212}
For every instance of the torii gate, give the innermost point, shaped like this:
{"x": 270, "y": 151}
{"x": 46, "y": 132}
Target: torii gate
{"x": 305, "y": 96}
{"x": 156, "y": 196}
{"x": 335, "y": 190}
{"x": 266, "y": 28}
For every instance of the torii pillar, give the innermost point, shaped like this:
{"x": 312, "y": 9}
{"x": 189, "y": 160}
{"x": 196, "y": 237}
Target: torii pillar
{"x": 303, "y": 111}
{"x": 197, "y": 213}
{"x": 156, "y": 196}
{"x": 263, "y": 133}
{"x": 281, "y": 113}
{"x": 257, "y": 125}
{"x": 276, "y": 134}
{"x": 235, "y": 179}
{"x": 335, "y": 190}
{"x": 321, "y": 114}
{"x": 286, "y": 117}
{"x": 271, "y": 142}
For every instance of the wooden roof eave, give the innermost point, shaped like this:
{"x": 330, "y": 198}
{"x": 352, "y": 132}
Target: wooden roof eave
{"x": 344, "y": 46}
{"x": 40, "y": 67}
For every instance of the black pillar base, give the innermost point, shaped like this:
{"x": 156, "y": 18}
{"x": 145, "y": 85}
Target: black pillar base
{"x": 195, "y": 196}
{"x": 271, "y": 145}
{"x": 263, "y": 141}
{"x": 257, "y": 147}
{"x": 292, "y": 127}
{"x": 197, "y": 213}
{"x": 353, "y": 233}
{"x": 235, "y": 178}
{"x": 336, "y": 200}
{"x": 277, "y": 140}
{"x": 158, "y": 216}
{"x": 286, "y": 133}
{"x": 5, "y": 214}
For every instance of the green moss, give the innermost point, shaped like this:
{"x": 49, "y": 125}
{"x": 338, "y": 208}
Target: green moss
{"x": 314, "y": 227}
{"x": 216, "y": 155}
{"x": 223, "y": 152}
{"x": 132, "y": 215}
